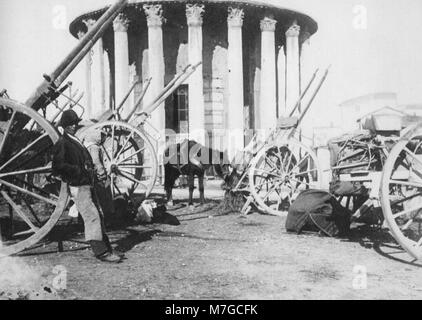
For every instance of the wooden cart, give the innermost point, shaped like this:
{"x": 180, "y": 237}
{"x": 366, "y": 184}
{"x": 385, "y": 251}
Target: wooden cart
{"x": 32, "y": 199}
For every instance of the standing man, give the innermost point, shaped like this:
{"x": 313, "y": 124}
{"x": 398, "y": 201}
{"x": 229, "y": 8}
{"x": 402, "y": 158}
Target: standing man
{"x": 73, "y": 163}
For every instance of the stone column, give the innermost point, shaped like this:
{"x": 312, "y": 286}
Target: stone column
{"x": 88, "y": 82}
{"x": 306, "y": 64}
{"x": 121, "y": 62}
{"x": 281, "y": 74}
{"x": 107, "y": 80}
{"x": 268, "y": 102}
{"x": 292, "y": 66}
{"x": 97, "y": 75}
{"x": 194, "y": 14}
{"x": 156, "y": 67}
{"x": 235, "y": 111}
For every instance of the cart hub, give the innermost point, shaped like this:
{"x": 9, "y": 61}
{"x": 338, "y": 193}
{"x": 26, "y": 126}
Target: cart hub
{"x": 114, "y": 168}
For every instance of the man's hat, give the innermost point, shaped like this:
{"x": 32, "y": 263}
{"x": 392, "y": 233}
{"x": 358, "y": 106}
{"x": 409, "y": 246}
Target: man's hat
{"x": 69, "y": 118}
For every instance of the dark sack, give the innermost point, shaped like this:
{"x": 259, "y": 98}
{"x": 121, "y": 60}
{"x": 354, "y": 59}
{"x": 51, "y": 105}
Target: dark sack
{"x": 317, "y": 210}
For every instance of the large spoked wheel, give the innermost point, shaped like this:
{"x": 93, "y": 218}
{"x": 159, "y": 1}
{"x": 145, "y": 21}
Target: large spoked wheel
{"x": 278, "y": 173}
{"x": 31, "y": 200}
{"x": 401, "y": 192}
{"x": 129, "y": 158}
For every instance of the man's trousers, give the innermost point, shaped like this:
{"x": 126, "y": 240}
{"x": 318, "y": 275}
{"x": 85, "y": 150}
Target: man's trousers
{"x": 93, "y": 221}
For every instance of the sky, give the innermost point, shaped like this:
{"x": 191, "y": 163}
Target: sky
{"x": 372, "y": 46}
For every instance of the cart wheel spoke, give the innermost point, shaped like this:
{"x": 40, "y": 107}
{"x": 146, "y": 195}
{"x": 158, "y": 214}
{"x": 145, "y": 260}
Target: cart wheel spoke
{"x": 404, "y": 212}
{"x": 7, "y": 131}
{"x": 297, "y": 166}
{"x": 16, "y": 156}
{"x": 281, "y": 159}
{"x": 301, "y": 182}
{"x": 35, "y": 188}
{"x": 271, "y": 190}
{"x": 131, "y": 156}
{"x": 117, "y": 188}
{"x": 271, "y": 163}
{"x": 19, "y": 211}
{"x": 133, "y": 166}
{"x": 112, "y": 177}
{"x": 33, "y": 194}
{"x": 45, "y": 169}
{"x": 32, "y": 212}
{"x": 270, "y": 173}
{"x": 260, "y": 184}
{"x": 406, "y": 183}
{"x": 127, "y": 175}
{"x": 106, "y": 153}
{"x": 413, "y": 156}
{"x": 407, "y": 225}
{"x": 395, "y": 203}
{"x": 286, "y": 168}
{"x": 124, "y": 145}
{"x": 112, "y": 141}
{"x": 304, "y": 173}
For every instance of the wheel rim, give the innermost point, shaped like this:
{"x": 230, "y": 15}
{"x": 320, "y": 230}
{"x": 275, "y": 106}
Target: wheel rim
{"x": 129, "y": 158}
{"x": 279, "y": 173}
{"x": 32, "y": 201}
{"x": 401, "y": 192}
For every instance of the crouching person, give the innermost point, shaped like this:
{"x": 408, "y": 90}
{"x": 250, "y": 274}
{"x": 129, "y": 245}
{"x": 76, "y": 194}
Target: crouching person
{"x": 92, "y": 141}
{"x": 73, "y": 164}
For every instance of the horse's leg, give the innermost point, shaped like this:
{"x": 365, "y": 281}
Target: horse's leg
{"x": 191, "y": 183}
{"x": 170, "y": 177}
{"x": 169, "y": 195}
{"x": 201, "y": 187}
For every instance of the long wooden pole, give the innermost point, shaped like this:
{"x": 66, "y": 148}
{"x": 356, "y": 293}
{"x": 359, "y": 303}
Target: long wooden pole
{"x": 303, "y": 94}
{"x": 170, "y": 84}
{"x": 150, "y": 108}
{"x": 138, "y": 102}
{"x": 62, "y": 71}
{"x": 302, "y": 115}
{"x": 127, "y": 95}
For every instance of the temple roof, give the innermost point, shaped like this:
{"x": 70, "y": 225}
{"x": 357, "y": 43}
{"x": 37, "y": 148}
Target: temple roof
{"x": 277, "y": 10}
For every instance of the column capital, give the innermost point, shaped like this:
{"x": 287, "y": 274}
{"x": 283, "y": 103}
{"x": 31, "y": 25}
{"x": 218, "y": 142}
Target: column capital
{"x": 154, "y": 14}
{"x": 81, "y": 34}
{"x": 268, "y": 24}
{"x": 89, "y": 22}
{"x": 305, "y": 36}
{"x": 293, "y": 31}
{"x": 121, "y": 23}
{"x": 194, "y": 14}
{"x": 235, "y": 17}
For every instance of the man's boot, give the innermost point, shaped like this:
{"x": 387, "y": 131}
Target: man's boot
{"x": 102, "y": 252}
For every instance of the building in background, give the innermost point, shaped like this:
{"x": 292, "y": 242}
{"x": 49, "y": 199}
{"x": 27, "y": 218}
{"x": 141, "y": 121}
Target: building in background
{"x": 253, "y": 59}
{"x": 354, "y": 109}
{"x": 411, "y": 109}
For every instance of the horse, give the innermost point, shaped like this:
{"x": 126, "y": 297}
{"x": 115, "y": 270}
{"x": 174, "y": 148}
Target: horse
{"x": 191, "y": 159}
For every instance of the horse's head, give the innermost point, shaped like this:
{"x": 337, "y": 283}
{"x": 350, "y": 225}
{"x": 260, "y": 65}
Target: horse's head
{"x": 222, "y": 165}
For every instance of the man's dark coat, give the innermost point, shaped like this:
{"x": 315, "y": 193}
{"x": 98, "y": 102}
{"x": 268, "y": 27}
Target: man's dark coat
{"x": 72, "y": 162}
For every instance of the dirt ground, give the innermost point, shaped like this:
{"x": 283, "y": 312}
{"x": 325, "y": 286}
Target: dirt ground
{"x": 214, "y": 256}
